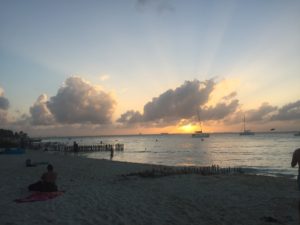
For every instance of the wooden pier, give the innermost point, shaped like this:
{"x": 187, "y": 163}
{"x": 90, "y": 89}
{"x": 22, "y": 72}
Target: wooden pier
{"x": 83, "y": 148}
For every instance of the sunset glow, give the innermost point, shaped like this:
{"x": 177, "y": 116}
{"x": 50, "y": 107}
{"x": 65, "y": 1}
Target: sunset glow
{"x": 189, "y": 128}
{"x": 128, "y": 67}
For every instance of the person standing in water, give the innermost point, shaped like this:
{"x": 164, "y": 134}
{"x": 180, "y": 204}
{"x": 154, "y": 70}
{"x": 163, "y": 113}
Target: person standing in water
{"x": 111, "y": 153}
{"x": 295, "y": 161}
{"x": 75, "y": 146}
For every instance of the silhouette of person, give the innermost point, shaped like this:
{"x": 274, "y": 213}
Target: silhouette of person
{"x": 295, "y": 161}
{"x": 111, "y": 153}
{"x": 47, "y": 182}
{"x": 75, "y": 147}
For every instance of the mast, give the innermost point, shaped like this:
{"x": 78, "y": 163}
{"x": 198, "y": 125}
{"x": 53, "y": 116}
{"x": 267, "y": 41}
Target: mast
{"x": 199, "y": 121}
{"x": 244, "y": 123}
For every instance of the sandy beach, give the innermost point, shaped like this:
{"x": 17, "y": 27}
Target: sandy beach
{"x": 96, "y": 192}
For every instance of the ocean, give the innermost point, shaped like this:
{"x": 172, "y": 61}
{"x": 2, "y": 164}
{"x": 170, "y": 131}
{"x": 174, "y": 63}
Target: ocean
{"x": 262, "y": 153}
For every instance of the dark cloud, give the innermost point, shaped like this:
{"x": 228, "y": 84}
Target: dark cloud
{"x": 263, "y": 113}
{"x": 173, "y": 105}
{"x": 219, "y": 111}
{"x": 289, "y": 111}
{"x": 4, "y": 103}
{"x": 130, "y": 117}
{"x": 181, "y": 103}
{"x": 227, "y": 106}
{"x": 80, "y": 102}
{"x": 40, "y": 114}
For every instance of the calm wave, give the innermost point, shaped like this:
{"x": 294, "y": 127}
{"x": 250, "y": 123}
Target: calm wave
{"x": 262, "y": 153}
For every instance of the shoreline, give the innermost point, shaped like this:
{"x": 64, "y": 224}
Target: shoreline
{"x": 155, "y": 134}
{"x": 272, "y": 157}
{"x": 97, "y": 192}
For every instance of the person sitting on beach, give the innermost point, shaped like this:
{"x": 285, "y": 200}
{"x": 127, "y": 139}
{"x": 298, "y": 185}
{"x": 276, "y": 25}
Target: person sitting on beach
{"x": 295, "y": 161}
{"x": 47, "y": 182}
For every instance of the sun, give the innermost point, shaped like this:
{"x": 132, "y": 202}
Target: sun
{"x": 188, "y": 128}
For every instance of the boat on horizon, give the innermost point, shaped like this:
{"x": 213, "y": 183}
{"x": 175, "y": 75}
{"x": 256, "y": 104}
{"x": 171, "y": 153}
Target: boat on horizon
{"x": 200, "y": 133}
{"x": 297, "y": 134}
{"x": 246, "y": 132}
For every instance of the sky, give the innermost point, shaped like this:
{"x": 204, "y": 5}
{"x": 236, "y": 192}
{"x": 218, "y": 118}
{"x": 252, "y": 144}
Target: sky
{"x": 149, "y": 66}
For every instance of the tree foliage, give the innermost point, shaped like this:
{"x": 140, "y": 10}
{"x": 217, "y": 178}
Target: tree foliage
{"x": 9, "y": 138}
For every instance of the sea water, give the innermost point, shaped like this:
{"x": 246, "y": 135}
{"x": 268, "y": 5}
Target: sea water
{"x": 262, "y": 153}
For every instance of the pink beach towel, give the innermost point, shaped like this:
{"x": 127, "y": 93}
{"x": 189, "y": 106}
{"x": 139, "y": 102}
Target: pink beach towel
{"x": 39, "y": 196}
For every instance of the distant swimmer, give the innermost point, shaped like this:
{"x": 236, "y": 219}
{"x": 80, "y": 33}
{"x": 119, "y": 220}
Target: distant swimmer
{"x": 295, "y": 161}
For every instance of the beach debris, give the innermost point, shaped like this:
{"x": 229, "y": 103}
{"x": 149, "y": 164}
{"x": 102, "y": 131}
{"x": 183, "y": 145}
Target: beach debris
{"x": 161, "y": 171}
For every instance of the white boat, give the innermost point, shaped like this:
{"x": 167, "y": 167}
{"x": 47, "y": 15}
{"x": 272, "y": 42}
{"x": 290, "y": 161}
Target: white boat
{"x": 199, "y": 133}
{"x": 246, "y": 132}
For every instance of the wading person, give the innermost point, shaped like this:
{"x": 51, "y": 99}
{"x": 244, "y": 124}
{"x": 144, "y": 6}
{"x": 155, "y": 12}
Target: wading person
{"x": 295, "y": 161}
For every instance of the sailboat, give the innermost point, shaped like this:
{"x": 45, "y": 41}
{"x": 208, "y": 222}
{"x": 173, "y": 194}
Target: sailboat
{"x": 199, "y": 133}
{"x": 246, "y": 132}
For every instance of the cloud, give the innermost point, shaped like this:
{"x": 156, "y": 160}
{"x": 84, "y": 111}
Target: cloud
{"x": 4, "y": 103}
{"x": 3, "y": 117}
{"x": 130, "y": 117}
{"x": 220, "y": 111}
{"x": 77, "y": 101}
{"x": 230, "y": 96}
{"x": 40, "y": 114}
{"x": 104, "y": 77}
{"x": 263, "y": 113}
{"x": 173, "y": 105}
{"x": 181, "y": 103}
{"x": 227, "y": 106}
{"x": 1, "y": 92}
{"x": 161, "y": 6}
{"x": 289, "y": 111}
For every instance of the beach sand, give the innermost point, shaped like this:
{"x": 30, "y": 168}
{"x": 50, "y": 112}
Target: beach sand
{"x": 97, "y": 193}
